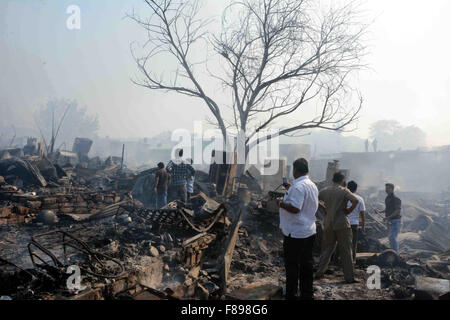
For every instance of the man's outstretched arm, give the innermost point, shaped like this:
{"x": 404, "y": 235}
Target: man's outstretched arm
{"x": 288, "y": 207}
{"x": 293, "y": 201}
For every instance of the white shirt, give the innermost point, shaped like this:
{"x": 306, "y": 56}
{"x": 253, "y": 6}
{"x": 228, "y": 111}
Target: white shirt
{"x": 303, "y": 194}
{"x": 354, "y": 216}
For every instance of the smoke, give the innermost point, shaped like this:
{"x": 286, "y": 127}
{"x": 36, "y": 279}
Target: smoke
{"x": 421, "y": 171}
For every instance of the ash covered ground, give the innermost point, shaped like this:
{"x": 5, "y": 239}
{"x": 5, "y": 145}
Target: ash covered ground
{"x": 100, "y": 217}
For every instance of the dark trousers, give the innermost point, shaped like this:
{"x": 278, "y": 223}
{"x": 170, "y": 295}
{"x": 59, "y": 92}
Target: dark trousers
{"x": 177, "y": 192}
{"x": 298, "y": 261}
{"x": 161, "y": 198}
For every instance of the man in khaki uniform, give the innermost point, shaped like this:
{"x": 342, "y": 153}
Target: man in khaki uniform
{"x": 337, "y": 226}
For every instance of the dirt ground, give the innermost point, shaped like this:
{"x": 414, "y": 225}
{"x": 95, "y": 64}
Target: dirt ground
{"x": 259, "y": 258}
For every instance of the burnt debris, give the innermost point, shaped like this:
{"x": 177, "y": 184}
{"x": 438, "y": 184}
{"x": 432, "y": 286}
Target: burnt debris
{"x": 65, "y": 213}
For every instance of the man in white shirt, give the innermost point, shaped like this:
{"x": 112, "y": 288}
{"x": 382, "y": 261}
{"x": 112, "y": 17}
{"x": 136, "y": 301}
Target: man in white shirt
{"x": 298, "y": 224}
{"x": 357, "y": 213}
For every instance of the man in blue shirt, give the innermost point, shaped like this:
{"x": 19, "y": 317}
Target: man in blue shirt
{"x": 180, "y": 171}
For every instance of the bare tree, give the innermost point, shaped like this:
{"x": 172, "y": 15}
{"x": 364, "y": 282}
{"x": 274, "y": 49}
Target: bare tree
{"x": 56, "y": 128}
{"x": 392, "y": 135}
{"x": 63, "y": 119}
{"x": 279, "y": 58}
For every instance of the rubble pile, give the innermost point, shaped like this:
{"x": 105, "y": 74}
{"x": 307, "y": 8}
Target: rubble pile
{"x": 259, "y": 259}
{"x": 98, "y": 216}
{"x": 33, "y": 184}
{"x": 139, "y": 250}
{"x": 75, "y": 205}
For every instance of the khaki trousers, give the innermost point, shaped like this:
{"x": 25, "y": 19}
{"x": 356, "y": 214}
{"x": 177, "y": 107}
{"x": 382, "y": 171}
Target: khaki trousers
{"x": 343, "y": 238}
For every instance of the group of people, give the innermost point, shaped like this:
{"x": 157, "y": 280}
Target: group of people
{"x": 174, "y": 181}
{"x": 343, "y": 209}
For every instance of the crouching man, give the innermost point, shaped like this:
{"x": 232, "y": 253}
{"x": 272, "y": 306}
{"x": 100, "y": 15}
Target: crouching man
{"x": 298, "y": 224}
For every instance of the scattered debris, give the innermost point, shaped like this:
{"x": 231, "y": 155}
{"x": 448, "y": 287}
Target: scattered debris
{"x": 65, "y": 209}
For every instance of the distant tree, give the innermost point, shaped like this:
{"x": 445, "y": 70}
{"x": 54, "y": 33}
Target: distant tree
{"x": 60, "y": 121}
{"x": 391, "y": 135}
{"x": 385, "y": 133}
{"x": 277, "y": 57}
{"x": 384, "y": 127}
{"x": 411, "y": 137}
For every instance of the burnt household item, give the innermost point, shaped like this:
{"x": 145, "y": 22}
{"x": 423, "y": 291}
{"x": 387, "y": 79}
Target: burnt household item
{"x": 243, "y": 194}
{"x": 81, "y": 147}
{"x": 60, "y": 249}
{"x": 31, "y": 147}
{"x": 24, "y": 170}
{"x": 47, "y": 217}
{"x": 222, "y": 171}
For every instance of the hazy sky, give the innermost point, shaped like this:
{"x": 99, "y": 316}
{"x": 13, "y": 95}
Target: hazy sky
{"x": 40, "y": 58}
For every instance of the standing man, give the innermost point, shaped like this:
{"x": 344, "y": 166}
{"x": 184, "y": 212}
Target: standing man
{"x": 335, "y": 256}
{"x": 355, "y": 216}
{"x": 375, "y": 145}
{"x": 180, "y": 171}
{"x": 298, "y": 224}
{"x": 337, "y": 227}
{"x": 162, "y": 180}
{"x": 367, "y": 145}
{"x": 393, "y": 218}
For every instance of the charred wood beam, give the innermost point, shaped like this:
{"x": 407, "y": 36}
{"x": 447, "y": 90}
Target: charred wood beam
{"x": 225, "y": 259}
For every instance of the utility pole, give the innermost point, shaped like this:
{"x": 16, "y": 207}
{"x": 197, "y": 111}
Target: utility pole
{"x": 123, "y": 152}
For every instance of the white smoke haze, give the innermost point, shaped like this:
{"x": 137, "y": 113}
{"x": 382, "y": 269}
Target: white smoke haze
{"x": 406, "y": 88}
